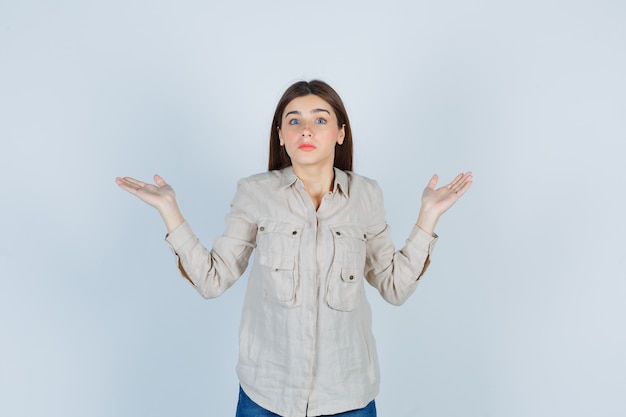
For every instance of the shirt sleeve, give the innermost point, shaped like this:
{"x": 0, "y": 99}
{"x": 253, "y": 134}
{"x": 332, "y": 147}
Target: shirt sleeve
{"x": 394, "y": 273}
{"x": 214, "y": 271}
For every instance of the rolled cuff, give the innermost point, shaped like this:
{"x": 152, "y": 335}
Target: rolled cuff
{"x": 422, "y": 240}
{"x": 177, "y": 238}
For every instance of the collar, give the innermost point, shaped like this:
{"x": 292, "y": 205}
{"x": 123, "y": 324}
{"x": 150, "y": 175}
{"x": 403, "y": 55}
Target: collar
{"x": 288, "y": 178}
{"x": 341, "y": 182}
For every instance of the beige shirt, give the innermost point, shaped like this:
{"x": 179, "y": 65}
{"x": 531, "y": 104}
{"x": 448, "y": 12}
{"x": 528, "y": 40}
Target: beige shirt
{"x": 306, "y": 345}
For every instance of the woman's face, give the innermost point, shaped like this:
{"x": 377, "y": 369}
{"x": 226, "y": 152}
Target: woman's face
{"x": 309, "y": 131}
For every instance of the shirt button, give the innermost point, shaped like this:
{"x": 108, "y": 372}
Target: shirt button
{"x": 295, "y": 232}
{"x": 351, "y": 277}
{"x": 261, "y": 228}
{"x": 338, "y": 233}
{"x": 364, "y": 236}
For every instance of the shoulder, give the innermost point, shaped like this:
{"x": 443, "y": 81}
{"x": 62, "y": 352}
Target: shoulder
{"x": 362, "y": 185}
{"x": 353, "y": 177}
{"x": 264, "y": 178}
{"x": 253, "y": 191}
{"x": 266, "y": 182}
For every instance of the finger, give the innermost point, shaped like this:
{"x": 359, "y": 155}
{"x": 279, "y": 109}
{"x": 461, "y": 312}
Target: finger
{"x": 126, "y": 186}
{"x": 458, "y": 185}
{"x": 433, "y": 181}
{"x": 464, "y": 188}
{"x": 132, "y": 185}
{"x": 456, "y": 181}
{"x": 159, "y": 180}
{"x": 124, "y": 182}
{"x": 453, "y": 183}
{"x": 137, "y": 183}
{"x": 466, "y": 177}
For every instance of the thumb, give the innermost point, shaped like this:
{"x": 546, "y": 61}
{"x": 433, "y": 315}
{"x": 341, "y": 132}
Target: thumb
{"x": 159, "y": 181}
{"x": 433, "y": 181}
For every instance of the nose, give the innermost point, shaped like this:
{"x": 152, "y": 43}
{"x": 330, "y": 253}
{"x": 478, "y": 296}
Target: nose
{"x": 306, "y": 130}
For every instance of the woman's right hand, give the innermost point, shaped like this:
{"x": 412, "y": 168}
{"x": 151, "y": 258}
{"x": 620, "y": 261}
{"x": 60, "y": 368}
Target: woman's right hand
{"x": 159, "y": 195}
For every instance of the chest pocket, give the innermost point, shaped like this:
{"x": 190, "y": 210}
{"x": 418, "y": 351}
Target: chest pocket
{"x": 345, "y": 283}
{"x": 278, "y": 245}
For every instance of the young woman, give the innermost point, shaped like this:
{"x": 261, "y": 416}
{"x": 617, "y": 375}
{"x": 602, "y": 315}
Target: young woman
{"x": 306, "y": 347}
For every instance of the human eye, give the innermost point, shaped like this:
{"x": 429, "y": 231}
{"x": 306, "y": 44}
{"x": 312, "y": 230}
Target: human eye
{"x": 294, "y": 122}
{"x": 320, "y": 121}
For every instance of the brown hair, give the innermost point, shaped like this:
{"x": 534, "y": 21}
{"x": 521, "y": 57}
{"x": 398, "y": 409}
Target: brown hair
{"x": 278, "y": 158}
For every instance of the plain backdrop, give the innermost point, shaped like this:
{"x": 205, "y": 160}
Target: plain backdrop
{"x": 522, "y": 312}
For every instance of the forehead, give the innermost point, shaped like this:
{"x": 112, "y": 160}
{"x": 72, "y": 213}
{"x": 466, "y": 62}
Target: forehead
{"x": 308, "y": 104}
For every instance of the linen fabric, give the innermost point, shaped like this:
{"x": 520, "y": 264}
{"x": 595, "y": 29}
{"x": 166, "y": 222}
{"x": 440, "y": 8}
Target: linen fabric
{"x": 305, "y": 340}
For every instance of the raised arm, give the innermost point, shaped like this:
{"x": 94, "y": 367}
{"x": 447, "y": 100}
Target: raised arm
{"x": 211, "y": 271}
{"x": 395, "y": 273}
{"x": 159, "y": 195}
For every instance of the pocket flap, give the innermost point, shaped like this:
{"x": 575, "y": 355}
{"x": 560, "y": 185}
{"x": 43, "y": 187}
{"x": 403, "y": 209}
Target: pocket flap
{"x": 280, "y": 226}
{"x": 350, "y": 275}
{"x": 348, "y": 231}
{"x": 276, "y": 261}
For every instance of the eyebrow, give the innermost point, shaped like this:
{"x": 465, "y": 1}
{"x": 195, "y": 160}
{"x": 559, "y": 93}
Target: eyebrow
{"x": 312, "y": 112}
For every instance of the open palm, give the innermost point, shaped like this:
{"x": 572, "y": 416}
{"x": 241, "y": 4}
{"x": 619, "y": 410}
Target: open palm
{"x": 441, "y": 199}
{"x": 157, "y": 195}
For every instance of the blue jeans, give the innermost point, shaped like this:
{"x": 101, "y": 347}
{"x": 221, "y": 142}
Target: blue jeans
{"x": 248, "y": 408}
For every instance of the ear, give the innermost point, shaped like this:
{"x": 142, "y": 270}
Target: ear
{"x": 342, "y": 135}
{"x": 280, "y": 136}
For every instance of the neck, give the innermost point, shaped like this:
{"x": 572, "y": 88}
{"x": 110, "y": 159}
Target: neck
{"x": 317, "y": 181}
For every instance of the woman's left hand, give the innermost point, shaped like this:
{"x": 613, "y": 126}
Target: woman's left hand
{"x": 435, "y": 202}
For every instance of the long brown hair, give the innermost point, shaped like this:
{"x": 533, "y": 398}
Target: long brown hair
{"x": 278, "y": 158}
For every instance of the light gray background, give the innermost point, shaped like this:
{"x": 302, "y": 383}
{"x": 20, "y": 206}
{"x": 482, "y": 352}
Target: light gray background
{"x": 522, "y": 310}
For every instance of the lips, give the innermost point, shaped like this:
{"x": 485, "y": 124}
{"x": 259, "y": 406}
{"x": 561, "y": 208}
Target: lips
{"x": 306, "y": 147}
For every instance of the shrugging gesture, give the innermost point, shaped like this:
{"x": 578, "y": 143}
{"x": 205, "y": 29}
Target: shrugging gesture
{"x": 307, "y": 275}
